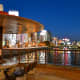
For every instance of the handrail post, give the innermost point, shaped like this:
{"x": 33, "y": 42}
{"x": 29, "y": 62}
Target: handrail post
{"x": 1, "y": 35}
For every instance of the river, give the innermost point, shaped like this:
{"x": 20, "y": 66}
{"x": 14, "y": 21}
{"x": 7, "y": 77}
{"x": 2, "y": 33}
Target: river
{"x": 67, "y": 58}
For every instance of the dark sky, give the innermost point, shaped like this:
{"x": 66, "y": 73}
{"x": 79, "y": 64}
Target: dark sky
{"x": 60, "y": 17}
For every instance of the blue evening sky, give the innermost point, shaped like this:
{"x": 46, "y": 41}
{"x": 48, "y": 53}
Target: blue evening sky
{"x": 60, "y": 17}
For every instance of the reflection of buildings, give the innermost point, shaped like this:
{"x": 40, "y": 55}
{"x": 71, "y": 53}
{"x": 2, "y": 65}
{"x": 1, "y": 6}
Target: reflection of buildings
{"x": 42, "y": 57}
{"x": 62, "y": 57}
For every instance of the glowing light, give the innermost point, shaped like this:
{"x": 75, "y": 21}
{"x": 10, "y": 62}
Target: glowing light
{"x": 43, "y": 32}
{"x": 15, "y": 13}
{"x": 66, "y": 39}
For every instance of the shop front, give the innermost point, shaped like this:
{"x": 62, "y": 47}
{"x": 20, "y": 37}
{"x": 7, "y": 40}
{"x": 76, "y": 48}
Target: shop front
{"x": 18, "y": 32}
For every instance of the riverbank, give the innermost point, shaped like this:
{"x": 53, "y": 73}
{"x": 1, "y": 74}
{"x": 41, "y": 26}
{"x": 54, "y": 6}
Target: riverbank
{"x": 52, "y": 72}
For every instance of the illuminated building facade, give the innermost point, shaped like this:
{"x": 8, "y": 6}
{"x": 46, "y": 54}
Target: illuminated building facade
{"x": 17, "y": 32}
{"x": 44, "y": 36}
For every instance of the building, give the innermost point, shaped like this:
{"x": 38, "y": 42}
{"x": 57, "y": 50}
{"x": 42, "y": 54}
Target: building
{"x": 55, "y": 41}
{"x": 44, "y": 36}
{"x": 66, "y": 41}
{"x": 16, "y": 31}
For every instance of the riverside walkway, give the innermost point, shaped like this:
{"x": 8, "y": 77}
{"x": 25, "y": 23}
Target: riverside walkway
{"x": 38, "y": 67}
{"x": 52, "y": 72}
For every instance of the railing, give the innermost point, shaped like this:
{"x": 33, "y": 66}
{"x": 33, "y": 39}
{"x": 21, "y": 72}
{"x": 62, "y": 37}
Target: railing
{"x": 21, "y": 59}
{"x": 26, "y": 59}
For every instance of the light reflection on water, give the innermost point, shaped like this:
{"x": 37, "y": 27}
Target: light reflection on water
{"x": 61, "y": 58}
{"x": 51, "y": 57}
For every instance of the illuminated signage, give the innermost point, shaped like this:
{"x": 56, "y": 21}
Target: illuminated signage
{"x": 15, "y": 13}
